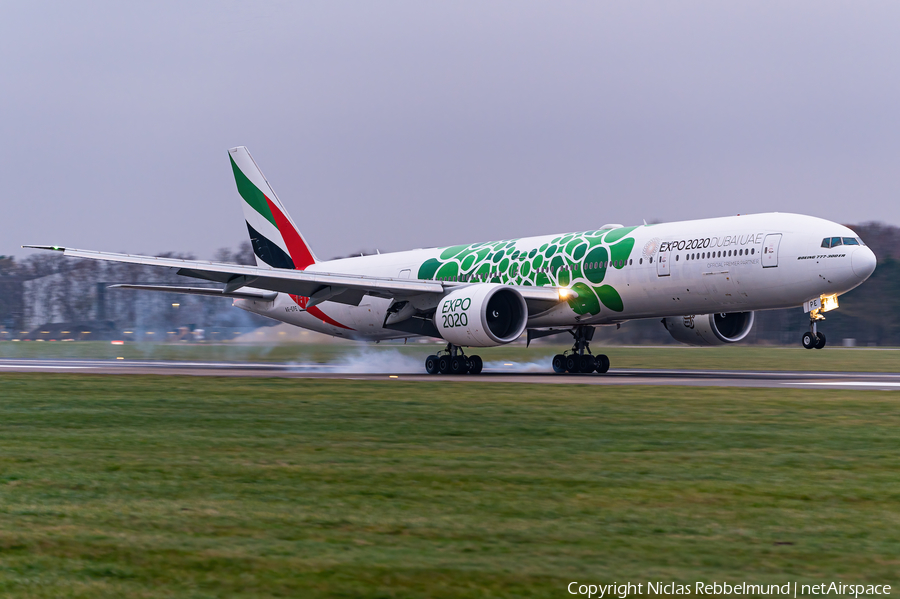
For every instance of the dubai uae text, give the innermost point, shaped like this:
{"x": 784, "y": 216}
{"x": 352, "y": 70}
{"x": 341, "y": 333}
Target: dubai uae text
{"x": 794, "y": 589}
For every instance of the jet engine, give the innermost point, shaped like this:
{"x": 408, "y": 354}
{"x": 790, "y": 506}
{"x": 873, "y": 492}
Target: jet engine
{"x": 481, "y": 315}
{"x": 710, "y": 329}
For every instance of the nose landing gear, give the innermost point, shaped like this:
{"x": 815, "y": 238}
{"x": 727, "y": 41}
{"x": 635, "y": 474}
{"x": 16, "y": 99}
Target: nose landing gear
{"x": 575, "y": 360}
{"x": 813, "y": 339}
{"x": 453, "y": 361}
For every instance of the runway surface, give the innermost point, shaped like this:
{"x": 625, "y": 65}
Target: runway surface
{"x": 494, "y": 372}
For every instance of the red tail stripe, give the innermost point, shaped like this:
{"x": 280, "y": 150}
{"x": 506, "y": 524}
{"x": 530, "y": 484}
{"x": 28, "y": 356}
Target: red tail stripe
{"x": 300, "y": 254}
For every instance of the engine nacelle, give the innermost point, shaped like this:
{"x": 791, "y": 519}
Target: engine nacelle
{"x": 481, "y": 315}
{"x": 710, "y": 329}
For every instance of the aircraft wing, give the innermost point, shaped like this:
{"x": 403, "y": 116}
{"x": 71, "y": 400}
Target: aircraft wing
{"x": 246, "y": 294}
{"x": 318, "y": 286}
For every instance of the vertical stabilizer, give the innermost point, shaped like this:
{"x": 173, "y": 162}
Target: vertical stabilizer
{"x": 275, "y": 238}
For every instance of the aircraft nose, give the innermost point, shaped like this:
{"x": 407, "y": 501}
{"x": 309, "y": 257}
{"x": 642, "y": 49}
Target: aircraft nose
{"x": 863, "y": 262}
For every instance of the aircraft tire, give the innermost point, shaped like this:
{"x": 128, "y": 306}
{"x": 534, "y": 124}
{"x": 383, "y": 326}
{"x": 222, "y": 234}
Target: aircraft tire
{"x": 602, "y": 364}
{"x": 808, "y": 340}
{"x": 572, "y": 364}
{"x": 559, "y": 364}
{"x": 444, "y": 364}
{"x": 431, "y": 364}
{"x": 587, "y": 364}
{"x": 458, "y": 365}
{"x": 475, "y": 364}
{"x": 820, "y": 340}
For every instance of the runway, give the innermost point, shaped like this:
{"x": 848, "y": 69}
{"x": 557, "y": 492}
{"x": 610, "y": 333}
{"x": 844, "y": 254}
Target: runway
{"x": 494, "y": 373}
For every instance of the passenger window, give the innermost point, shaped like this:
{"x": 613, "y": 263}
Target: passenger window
{"x": 676, "y": 257}
{"x": 826, "y": 243}
{"x": 640, "y": 261}
{"x": 651, "y": 259}
{"x": 835, "y": 242}
{"x": 850, "y": 241}
{"x": 752, "y": 251}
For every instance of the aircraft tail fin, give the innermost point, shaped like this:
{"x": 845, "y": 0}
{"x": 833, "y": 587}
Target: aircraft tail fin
{"x": 276, "y": 240}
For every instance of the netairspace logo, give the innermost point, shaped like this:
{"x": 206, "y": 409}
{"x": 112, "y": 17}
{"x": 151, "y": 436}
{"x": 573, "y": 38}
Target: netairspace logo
{"x": 791, "y": 589}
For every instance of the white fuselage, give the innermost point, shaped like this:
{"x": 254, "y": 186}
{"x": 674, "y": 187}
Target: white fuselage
{"x": 730, "y": 264}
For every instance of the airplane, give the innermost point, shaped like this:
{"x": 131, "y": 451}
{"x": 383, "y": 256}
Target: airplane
{"x": 704, "y": 279}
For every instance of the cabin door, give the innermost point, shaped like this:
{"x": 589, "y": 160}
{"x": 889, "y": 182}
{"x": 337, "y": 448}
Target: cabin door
{"x": 662, "y": 263}
{"x": 770, "y": 250}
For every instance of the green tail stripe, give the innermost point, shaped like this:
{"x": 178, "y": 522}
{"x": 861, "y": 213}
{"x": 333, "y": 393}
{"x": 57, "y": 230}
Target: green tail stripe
{"x": 251, "y": 194}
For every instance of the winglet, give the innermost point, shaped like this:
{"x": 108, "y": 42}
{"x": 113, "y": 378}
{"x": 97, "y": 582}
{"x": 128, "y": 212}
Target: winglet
{"x": 54, "y": 248}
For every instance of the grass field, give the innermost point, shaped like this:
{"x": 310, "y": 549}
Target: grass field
{"x": 740, "y": 357}
{"x": 206, "y": 487}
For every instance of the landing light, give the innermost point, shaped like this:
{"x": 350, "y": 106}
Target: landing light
{"x": 829, "y": 302}
{"x": 565, "y": 293}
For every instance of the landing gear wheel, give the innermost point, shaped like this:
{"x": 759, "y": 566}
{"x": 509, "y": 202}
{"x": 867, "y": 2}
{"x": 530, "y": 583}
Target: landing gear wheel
{"x": 602, "y": 364}
{"x": 579, "y": 358}
{"x": 587, "y": 364}
{"x": 431, "y": 364}
{"x": 820, "y": 340}
{"x": 458, "y": 365}
{"x": 475, "y": 364}
{"x": 809, "y": 341}
{"x": 444, "y": 364}
{"x": 559, "y": 364}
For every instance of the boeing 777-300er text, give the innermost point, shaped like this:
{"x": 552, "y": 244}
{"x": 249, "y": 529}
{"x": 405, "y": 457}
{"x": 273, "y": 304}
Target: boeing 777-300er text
{"x": 703, "y": 278}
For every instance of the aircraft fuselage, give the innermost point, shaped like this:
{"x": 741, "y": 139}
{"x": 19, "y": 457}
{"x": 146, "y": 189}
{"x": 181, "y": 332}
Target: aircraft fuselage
{"x": 717, "y": 265}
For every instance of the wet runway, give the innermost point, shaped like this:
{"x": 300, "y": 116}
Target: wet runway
{"x": 492, "y": 374}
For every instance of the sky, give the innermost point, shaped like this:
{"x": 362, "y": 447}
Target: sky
{"x": 396, "y": 125}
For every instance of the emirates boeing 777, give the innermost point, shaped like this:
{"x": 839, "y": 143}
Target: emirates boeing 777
{"x": 703, "y": 278}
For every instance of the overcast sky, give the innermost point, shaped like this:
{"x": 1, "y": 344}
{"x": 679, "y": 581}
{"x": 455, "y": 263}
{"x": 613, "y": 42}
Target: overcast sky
{"x": 394, "y": 125}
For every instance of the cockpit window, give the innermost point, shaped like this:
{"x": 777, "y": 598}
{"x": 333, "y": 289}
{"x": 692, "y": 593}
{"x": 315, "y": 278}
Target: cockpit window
{"x": 826, "y": 243}
{"x": 835, "y": 242}
{"x": 850, "y": 241}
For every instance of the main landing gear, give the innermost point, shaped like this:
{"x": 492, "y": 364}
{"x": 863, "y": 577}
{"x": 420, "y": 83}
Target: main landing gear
{"x": 453, "y": 361}
{"x": 813, "y": 339}
{"x": 575, "y": 360}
